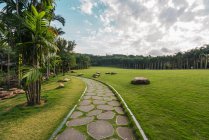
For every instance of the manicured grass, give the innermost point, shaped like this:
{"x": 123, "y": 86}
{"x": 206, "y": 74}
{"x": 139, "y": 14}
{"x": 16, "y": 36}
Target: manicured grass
{"x": 174, "y": 106}
{"x": 19, "y": 122}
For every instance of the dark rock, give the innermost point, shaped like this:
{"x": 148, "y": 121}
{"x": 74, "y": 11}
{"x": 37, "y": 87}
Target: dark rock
{"x": 140, "y": 81}
{"x": 80, "y": 74}
{"x": 73, "y": 71}
{"x": 113, "y": 73}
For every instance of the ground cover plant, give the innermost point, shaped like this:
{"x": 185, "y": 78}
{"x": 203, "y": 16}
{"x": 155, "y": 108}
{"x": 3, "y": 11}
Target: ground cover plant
{"x": 19, "y": 121}
{"x": 174, "y": 106}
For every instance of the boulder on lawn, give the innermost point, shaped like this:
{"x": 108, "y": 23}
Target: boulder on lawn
{"x": 98, "y": 73}
{"x": 80, "y": 74}
{"x": 108, "y": 73}
{"x": 4, "y": 94}
{"x": 61, "y": 85}
{"x": 95, "y": 75}
{"x": 140, "y": 81}
{"x": 66, "y": 80}
{"x": 113, "y": 73}
{"x": 73, "y": 71}
{"x": 19, "y": 91}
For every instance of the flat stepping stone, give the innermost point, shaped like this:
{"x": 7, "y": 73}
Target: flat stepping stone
{"x": 125, "y": 133}
{"x": 106, "y": 115}
{"x": 105, "y": 107}
{"x": 76, "y": 114}
{"x": 86, "y": 108}
{"x": 90, "y": 93}
{"x": 97, "y": 98}
{"x": 86, "y": 97}
{"x": 94, "y": 112}
{"x": 113, "y": 98}
{"x": 114, "y": 103}
{"x": 71, "y": 134}
{"x": 121, "y": 120}
{"x": 80, "y": 121}
{"x": 109, "y": 94}
{"x": 119, "y": 110}
{"x": 100, "y": 129}
{"x": 107, "y": 98}
{"x": 99, "y": 102}
{"x": 85, "y": 102}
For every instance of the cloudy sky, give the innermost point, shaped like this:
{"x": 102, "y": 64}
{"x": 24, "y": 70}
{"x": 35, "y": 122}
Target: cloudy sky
{"x": 139, "y": 27}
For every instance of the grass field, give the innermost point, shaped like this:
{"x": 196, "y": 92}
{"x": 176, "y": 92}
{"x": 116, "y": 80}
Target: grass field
{"x": 174, "y": 106}
{"x": 18, "y": 122}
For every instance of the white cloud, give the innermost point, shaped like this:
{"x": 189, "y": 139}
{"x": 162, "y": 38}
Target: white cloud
{"x": 156, "y": 27}
{"x": 86, "y": 6}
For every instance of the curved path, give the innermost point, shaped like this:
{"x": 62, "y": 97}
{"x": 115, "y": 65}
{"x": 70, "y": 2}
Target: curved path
{"x": 99, "y": 115}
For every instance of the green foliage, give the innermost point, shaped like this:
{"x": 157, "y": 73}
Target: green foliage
{"x": 32, "y": 75}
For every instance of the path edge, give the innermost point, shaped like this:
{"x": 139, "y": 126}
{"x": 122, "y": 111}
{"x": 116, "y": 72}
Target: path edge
{"x": 136, "y": 122}
{"x": 54, "y": 134}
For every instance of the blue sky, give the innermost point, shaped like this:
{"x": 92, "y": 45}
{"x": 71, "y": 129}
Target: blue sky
{"x": 138, "y": 27}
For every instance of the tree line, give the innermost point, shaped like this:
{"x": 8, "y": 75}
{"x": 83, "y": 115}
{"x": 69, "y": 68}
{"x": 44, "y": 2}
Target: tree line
{"x": 31, "y": 48}
{"x": 193, "y": 59}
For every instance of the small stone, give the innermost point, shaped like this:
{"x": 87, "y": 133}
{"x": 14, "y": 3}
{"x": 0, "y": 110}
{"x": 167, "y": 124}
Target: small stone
{"x": 97, "y": 98}
{"x": 105, "y": 107}
{"x": 85, "y": 102}
{"x": 125, "y": 133}
{"x": 121, "y": 120}
{"x": 114, "y": 103}
{"x": 86, "y": 108}
{"x": 106, "y": 115}
{"x": 90, "y": 93}
{"x": 100, "y": 129}
{"x": 99, "y": 102}
{"x": 76, "y": 114}
{"x": 119, "y": 110}
{"x": 71, "y": 134}
{"x": 80, "y": 121}
{"x": 107, "y": 99}
{"x": 87, "y": 97}
{"x": 94, "y": 112}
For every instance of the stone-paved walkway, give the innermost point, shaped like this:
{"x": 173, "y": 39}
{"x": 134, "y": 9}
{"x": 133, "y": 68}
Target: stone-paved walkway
{"x": 98, "y": 116}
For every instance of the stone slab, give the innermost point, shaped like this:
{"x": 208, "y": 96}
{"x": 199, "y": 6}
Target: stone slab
{"x": 86, "y": 108}
{"x": 105, "y": 107}
{"x": 121, "y": 120}
{"x": 125, "y": 133}
{"x": 94, "y": 112}
{"x": 76, "y": 114}
{"x": 99, "y": 102}
{"x": 71, "y": 134}
{"x": 100, "y": 129}
{"x": 80, "y": 121}
{"x": 85, "y": 102}
{"x": 106, "y": 115}
{"x": 119, "y": 110}
{"x": 114, "y": 103}
{"x": 86, "y": 97}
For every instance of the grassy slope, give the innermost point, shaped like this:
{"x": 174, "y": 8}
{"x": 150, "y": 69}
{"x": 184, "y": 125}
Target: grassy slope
{"x": 37, "y": 123}
{"x": 174, "y": 106}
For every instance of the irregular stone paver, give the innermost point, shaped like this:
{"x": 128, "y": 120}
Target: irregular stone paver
{"x": 86, "y": 108}
{"x": 114, "y": 103}
{"x": 80, "y": 121}
{"x": 100, "y": 129}
{"x": 71, "y": 134}
{"x": 97, "y": 98}
{"x": 121, "y": 120}
{"x": 119, "y": 110}
{"x": 85, "y": 102}
{"x": 106, "y": 115}
{"x": 76, "y": 114}
{"x": 87, "y": 97}
{"x": 105, "y": 107}
{"x": 90, "y": 94}
{"x": 99, "y": 102}
{"x": 94, "y": 112}
{"x": 125, "y": 133}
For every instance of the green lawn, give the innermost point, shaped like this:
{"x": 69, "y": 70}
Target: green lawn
{"x": 18, "y": 122}
{"x": 174, "y": 106}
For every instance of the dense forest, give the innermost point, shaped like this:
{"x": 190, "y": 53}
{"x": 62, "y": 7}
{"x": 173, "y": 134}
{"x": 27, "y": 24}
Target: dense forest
{"x": 193, "y": 59}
